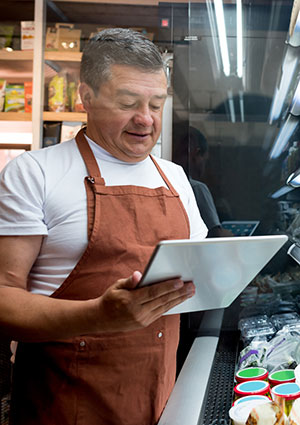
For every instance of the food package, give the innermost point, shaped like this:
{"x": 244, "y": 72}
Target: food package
{"x": 294, "y": 416}
{"x": 267, "y": 413}
{"x": 14, "y": 98}
{"x": 51, "y": 39}
{"x": 27, "y": 35}
{"x": 57, "y": 93}
{"x": 28, "y": 96}
{"x": 63, "y": 37}
{"x": 78, "y": 103}
{"x": 2, "y": 94}
{"x": 51, "y": 133}
{"x": 6, "y": 36}
{"x": 72, "y": 93}
{"x": 69, "y": 130}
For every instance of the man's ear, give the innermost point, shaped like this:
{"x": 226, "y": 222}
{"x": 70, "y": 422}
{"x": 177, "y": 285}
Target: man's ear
{"x": 86, "y": 94}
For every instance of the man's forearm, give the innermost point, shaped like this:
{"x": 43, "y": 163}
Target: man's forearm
{"x": 35, "y": 318}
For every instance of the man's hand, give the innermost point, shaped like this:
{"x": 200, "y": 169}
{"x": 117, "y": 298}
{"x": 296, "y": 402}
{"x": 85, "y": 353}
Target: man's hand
{"x": 124, "y": 307}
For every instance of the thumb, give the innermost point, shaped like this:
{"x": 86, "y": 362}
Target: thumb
{"x": 131, "y": 282}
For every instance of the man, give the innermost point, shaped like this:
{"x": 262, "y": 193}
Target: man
{"x": 79, "y": 222}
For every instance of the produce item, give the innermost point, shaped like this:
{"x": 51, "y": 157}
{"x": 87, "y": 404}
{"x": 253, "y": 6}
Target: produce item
{"x": 294, "y": 416}
{"x": 27, "y": 35}
{"x": 266, "y": 414}
{"x": 57, "y": 93}
{"x": 28, "y": 96}
{"x": 282, "y": 376}
{"x": 252, "y": 398}
{"x": 14, "y": 98}
{"x": 240, "y": 412}
{"x": 2, "y": 94}
{"x": 251, "y": 374}
{"x": 285, "y": 395}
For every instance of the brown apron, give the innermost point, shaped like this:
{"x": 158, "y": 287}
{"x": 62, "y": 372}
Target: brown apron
{"x": 122, "y": 378}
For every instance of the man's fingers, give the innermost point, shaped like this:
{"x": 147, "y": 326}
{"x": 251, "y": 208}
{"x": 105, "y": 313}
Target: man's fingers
{"x": 131, "y": 282}
{"x": 187, "y": 290}
{"x": 158, "y": 311}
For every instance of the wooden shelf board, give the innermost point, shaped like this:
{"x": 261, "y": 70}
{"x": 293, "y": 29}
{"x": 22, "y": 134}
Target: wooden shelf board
{"x": 63, "y": 56}
{"x": 65, "y": 116}
{"x": 16, "y": 55}
{"x": 15, "y": 116}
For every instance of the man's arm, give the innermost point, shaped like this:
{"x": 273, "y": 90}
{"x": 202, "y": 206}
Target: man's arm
{"x": 31, "y": 317}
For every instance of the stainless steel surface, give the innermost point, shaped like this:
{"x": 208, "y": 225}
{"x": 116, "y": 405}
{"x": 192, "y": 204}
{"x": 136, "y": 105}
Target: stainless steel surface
{"x": 185, "y": 403}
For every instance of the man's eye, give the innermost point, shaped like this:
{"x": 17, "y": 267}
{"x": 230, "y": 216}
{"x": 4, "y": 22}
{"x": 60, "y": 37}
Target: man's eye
{"x": 127, "y": 105}
{"x": 155, "y": 107}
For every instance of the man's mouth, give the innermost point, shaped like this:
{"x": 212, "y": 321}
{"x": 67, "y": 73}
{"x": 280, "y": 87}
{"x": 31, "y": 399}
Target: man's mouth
{"x": 143, "y": 135}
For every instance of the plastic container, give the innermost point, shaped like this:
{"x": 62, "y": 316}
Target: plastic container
{"x": 282, "y": 377}
{"x": 285, "y": 395}
{"x": 251, "y": 398}
{"x": 239, "y": 412}
{"x": 252, "y": 388}
{"x": 252, "y": 374}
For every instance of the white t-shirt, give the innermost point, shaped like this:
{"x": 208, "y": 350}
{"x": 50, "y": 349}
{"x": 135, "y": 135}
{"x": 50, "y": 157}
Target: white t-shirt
{"x": 42, "y": 193}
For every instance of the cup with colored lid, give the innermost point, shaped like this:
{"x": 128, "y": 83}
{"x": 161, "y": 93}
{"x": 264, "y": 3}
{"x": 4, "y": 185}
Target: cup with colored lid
{"x": 239, "y": 413}
{"x": 285, "y": 395}
{"x": 251, "y": 388}
{"x": 281, "y": 377}
{"x": 252, "y": 374}
{"x": 247, "y": 398}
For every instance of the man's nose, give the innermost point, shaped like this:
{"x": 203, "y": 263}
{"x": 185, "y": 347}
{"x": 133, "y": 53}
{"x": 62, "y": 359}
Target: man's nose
{"x": 143, "y": 117}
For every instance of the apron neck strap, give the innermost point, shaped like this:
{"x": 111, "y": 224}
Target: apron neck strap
{"x": 87, "y": 154}
{"x": 164, "y": 177}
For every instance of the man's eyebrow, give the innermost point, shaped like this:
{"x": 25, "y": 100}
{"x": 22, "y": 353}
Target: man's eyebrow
{"x": 122, "y": 92}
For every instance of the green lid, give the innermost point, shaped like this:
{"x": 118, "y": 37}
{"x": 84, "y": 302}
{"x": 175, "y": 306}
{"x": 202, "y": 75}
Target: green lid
{"x": 282, "y": 375}
{"x": 251, "y": 372}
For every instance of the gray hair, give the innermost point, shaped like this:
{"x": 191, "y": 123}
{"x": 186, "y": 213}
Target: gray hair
{"x": 117, "y": 46}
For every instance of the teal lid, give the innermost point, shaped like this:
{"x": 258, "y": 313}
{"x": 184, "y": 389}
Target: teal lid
{"x": 252, "y": 387}
{"x": 287, "y": 390}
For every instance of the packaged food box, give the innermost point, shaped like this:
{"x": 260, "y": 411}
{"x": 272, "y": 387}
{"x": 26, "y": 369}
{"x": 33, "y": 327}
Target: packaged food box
{"x": 27, "y": 35}
{"x": 14, "y": 98}
{"x": 28, "y": 96}
{"x": 69, "y": 130}
{"x": 63, "y": 37}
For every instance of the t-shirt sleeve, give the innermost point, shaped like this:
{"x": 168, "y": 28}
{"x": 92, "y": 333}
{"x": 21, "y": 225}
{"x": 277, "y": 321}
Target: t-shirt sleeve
{"x": 198, "y": 229}
{"x": 22, "y": 185}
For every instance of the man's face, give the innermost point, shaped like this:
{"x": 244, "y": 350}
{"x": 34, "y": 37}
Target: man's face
{"x": 125, "y": 116}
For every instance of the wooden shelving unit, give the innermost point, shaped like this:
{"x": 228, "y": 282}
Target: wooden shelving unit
{"x": 15, "y": 116}
{"x": 64, "y": 116}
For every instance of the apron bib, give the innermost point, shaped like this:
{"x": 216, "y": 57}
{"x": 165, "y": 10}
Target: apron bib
{"x": 122, "y": 378}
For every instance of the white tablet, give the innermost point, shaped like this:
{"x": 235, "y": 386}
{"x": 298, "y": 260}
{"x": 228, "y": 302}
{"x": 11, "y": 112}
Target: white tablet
{"x": 220, "y": 268}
